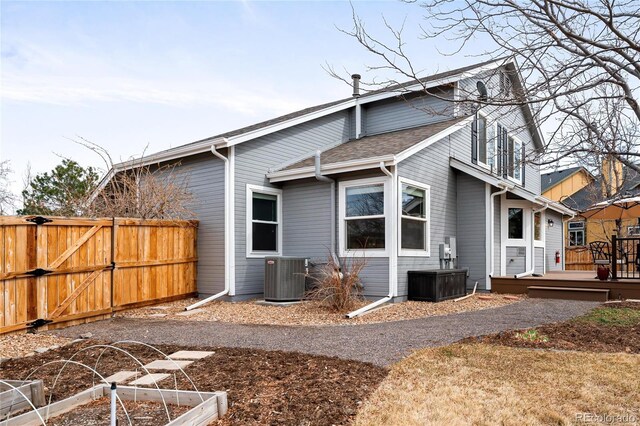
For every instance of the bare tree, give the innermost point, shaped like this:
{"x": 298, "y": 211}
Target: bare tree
{"x": 579, "y": 61}
{"x": 140, "y": 190}
{"x": 7, "y": 197}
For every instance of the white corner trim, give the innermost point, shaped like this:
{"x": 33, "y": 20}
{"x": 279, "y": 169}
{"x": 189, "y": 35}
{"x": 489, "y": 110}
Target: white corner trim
{"x": 488, "y": 228}
{"x": 250, "y": 189}
{"x": 342, "y": 186}
{"x": 433, "y": 139}
{"x": 409, "y": 252}
{"x": 232, "y": 220}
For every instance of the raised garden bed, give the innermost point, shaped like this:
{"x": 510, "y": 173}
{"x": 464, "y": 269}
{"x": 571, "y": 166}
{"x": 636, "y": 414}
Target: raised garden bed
{"x": 191, "y": 408}
{"x": 18, "y": 395}
{"x": 263, "y": 387}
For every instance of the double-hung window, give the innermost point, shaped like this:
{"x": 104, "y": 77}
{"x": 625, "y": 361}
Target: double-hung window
{"x": 264, "y": 221}
{"x": 363, "y": 227}
{"x": 576, "y": 233}
{"x": 414, "y": 218}
{"x": 485, "y": 141}
{"x": 510, "y": 154}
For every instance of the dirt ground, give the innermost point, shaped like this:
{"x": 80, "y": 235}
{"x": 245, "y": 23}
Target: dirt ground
{"x": 263, "y": 387}
{"x": 142, "y": 413}
{"x": 312, "y": 313}
{"x": 614, "y": 327}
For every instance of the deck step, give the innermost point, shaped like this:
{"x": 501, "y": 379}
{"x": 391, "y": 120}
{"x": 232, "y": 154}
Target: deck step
{"x": 571, "y": 293}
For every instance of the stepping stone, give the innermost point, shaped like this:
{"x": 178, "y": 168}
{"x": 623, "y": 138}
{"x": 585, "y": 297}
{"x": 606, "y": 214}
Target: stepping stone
{"x": 156, "y": 316}
{"x": 190, "y": 354}
{"x": 485, "y": 298}
{"x": 122, "y": 376}
{"x": 188, "y": 313}
{"x": 512, "y": 298}
{"x": 150, "y": 379}
{"x": 166, "y": 364}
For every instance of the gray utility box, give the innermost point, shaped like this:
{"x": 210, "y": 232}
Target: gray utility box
{"x": 284, "y": 278}
{"x": 437, "y": 285}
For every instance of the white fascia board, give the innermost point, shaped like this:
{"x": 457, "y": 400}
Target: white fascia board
{"x": 434, "y": 83}
{"x": 332, "y": 168}
{"x": 171, "y": 154}
{"x": 433, "y": 139}
{"x": 496, "y": 181}
{"x": 244, "y": 137}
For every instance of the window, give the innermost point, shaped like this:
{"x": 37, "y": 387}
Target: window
{"x": 633, "y": 231}
{"x": 537, "y": 226}
{"x": 516, "y": 223}
{"x": 414, "y": 218}
{"x": 576, "y": 233}
{"x": 484, "y": 141}
{"x": 264, "y": 212}
{"x": 505, "y": 84}
{"x": 514, "y": 155}
{"x": 511, "y": 154}
{"x": 363, "y": 216}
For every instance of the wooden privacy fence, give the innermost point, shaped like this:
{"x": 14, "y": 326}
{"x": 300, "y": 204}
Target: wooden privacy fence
{"x": 578, "y": 259}
{"x": 58, "y": 270}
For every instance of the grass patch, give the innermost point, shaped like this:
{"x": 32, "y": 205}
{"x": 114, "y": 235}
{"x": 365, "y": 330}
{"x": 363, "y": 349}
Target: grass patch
{"x": 620, "y": 317}
{"x": 486, "y": 384}
{"x": 532, "y": 335}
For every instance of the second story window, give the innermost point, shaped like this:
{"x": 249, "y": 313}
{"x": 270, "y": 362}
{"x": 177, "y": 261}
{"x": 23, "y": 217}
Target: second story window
{"x": 484, "y": 141}
{"x": 511, "y": 153}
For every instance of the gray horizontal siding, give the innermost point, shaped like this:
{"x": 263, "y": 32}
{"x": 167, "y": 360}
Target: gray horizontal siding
{"x": 254, "y": 159}
{"x": 402, "y": 114}
{"x": 204, "y": 177}
{"x": 431, "y": 166}
{"x": 553, "y": 240}
{"x": 471, "y": 231}
{"x": 539, "y": 260}
{"x": 307, "y": 219}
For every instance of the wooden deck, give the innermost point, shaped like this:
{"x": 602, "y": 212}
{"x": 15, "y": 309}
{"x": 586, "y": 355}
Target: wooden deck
{"x": 620, "y": 289}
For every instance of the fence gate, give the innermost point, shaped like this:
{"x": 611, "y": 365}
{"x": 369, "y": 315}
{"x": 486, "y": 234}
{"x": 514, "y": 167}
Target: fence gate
{"x": 54, "y": 269}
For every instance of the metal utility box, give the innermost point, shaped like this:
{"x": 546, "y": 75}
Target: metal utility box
{"x": 437, "y": 285}
{"x": 284, "y": 278}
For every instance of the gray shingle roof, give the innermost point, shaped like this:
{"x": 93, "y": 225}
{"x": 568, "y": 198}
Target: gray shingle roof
{"x": 592, "y": 193}
{"x": 391, "y": 143}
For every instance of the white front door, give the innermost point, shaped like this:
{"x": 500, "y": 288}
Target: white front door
{"x": 516, "y": 256}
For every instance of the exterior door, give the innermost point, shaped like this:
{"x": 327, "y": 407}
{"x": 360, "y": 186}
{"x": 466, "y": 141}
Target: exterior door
{"x": 516, "y": 253}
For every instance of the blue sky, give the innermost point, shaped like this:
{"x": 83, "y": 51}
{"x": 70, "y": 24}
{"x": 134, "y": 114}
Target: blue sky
{"x": 130, "y": 74}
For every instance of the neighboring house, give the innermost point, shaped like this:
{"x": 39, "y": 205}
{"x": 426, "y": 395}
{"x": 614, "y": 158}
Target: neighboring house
{"x": 398, "y": 171}
{"x": 579, "y": 190}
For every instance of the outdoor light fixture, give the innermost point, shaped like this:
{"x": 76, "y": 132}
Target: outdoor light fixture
{"x": 550, "y": 223}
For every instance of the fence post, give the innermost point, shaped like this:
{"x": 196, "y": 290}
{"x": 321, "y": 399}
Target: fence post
{"x": 114, "y": 230}
{"x": 614, "y": 257}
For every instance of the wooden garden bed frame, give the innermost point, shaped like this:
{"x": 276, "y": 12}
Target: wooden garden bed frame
{"x": 202, "y": 413}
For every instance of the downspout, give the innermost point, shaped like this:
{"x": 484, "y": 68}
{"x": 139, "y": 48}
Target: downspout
{"x": 504, "y": 189}
{"x": 533, "y": 243}
{"x": 227, "y": 234}
{"x": 320, "y": 177}
{"x": 391, "y": 269}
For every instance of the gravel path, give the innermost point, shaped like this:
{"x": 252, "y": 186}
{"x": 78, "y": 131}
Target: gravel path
{"x": 381, "y": 344}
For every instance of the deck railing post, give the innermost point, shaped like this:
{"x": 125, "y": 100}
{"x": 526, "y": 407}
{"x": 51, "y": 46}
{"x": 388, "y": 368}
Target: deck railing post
{"x": 614, "y": 257}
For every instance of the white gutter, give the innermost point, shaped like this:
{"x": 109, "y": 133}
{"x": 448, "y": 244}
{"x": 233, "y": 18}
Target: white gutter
{"x": 533, "y": 243}
{"x": 228, "y": 254}
{"x": 320, "y": 177}
{"x": 504, "y": 189}
{"x": 392, "y": 265}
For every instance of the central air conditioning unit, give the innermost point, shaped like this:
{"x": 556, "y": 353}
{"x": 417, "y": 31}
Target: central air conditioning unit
{"x": 284, "y": 278}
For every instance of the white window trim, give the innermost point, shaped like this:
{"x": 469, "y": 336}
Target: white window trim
{"x": 543, "y": 230}
{"x": 249, "y": 220}
{"x": 519, "y": 141}
{"x": 488, "y": 123}
{"x": 342, "y": 242}
{"x": 427, "y": 189}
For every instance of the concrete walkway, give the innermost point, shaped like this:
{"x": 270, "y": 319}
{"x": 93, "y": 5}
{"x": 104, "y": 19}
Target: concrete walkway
{"x": 381, "y": 344}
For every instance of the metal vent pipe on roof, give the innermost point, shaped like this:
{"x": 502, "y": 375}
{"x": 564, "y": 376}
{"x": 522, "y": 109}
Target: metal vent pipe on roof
{"x": 356, "y": 85}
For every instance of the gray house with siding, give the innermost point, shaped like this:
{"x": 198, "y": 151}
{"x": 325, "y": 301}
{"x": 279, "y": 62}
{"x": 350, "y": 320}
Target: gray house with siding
{"x": 385, "y": 175}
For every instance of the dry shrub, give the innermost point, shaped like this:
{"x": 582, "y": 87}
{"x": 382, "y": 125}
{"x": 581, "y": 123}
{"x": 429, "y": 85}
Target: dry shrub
{"x": 337, "y": 285}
